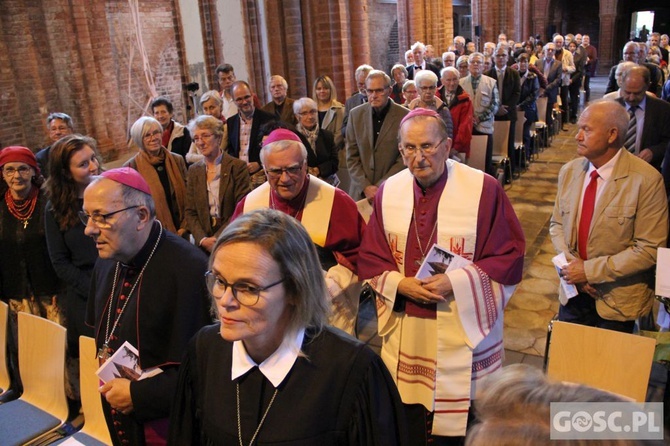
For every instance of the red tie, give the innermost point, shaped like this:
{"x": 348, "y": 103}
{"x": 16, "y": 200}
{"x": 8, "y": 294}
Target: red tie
{"x": 587, "y": 214}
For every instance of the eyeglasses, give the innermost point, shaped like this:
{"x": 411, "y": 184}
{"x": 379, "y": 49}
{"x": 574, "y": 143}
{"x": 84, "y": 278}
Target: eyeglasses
{"x": 308, "y": 113}
{"x": 371, "y": 91}
{"x": 424, "y": 149}
{"x": 244, "y": 293}
{"x": 429, "y": 88}
{"x": 204, "y": 137}
{"x": 152, "y": 134}
{"x": 10, "y": 171}
{"x": 277, "y": 172}
{"x": 60, "y": 128}
{"x": 100, "y": 220}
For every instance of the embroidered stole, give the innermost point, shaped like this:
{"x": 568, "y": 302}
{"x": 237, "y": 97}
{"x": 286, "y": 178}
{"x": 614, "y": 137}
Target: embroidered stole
{"x": 431, "y": 370}
{"x": 316, "y": 213}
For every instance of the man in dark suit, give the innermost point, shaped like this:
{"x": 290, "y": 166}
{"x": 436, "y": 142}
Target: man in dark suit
{"x": 372, "y": 144}
{"x": 632, "y": 53}
{"x": 244, "y": 138}
{"x": 281, "y": 106}
{"x": 652, "y": 115}
{"x": 509, "y": 90}
{"x": 357, "y": 98}
{"x": 420, "y": 61}
{"x": 552, "y": 70}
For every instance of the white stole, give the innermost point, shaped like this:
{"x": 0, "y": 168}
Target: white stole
{"x": 431, "y": 370}
{"x": 316, "y": 213}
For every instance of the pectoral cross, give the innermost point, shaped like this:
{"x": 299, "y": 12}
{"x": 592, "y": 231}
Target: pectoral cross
{"x": 104, "y": 352}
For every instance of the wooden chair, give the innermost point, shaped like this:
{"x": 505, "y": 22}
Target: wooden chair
{"x": 519, "y": 146}
{"x": 477, "y": 158}
{"x": 541, "y": 125}
{"x": 42, "y": 408}
{"x": 605, "y": 359}
{"x": 5, "y": 381}
{"x": 500, "y": 151}
{"x": 94, "y": 432}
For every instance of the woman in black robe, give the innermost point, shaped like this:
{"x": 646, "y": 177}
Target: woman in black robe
{"x": 270, "y": 371}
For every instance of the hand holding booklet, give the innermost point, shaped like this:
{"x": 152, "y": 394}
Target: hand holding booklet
{"x": 439, "y": 261}
{"x": 125, "y": 364}
{"x": 560, "y": 262}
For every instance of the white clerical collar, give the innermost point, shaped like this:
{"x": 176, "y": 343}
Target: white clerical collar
{"x": 275, "y": 367}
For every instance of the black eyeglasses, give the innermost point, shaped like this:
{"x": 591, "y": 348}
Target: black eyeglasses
{"x": 276, "y": 172}
{"x": 246, "y": 294}
{"x": 100, "y": 220}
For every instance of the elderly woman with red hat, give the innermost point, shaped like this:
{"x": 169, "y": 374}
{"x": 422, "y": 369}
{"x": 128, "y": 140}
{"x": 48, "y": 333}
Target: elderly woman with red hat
{"x": 28, "y": 281}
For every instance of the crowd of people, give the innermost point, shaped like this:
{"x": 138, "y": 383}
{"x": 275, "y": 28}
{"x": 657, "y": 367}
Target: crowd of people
{"x": 375, "y": 182}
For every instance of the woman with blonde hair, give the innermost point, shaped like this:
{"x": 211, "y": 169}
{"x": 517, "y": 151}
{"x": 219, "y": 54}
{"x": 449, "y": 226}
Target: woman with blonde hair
{"x": 331, "y": 112}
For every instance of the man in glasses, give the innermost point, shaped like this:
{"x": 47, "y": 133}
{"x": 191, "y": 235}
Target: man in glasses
{"x": 58, "y": 125}
{"x": 244, "y": 136}
{"x": 442, "y": 333}
{"x": 149, "y": 290}
{"x": 328, "y": 213}
{"x": 371, "y": 138}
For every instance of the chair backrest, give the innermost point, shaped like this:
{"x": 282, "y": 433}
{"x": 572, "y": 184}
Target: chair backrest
{"x": 42, "y": 364}
{"x": 518, "y": 127}
{"x": 94, "y": 424}
{"x": 4, "y": 372}
{"x": 500, "y": 138}
{"x": 541, "y": 108}
{"x": 605, "y": 359}
{"x": 477, "y": 158}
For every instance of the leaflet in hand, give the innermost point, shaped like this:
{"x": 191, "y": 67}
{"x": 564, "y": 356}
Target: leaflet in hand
{"x": 440, "y": 261}
{"x": 560, "y": 262}
{"x": 125, "y": 364}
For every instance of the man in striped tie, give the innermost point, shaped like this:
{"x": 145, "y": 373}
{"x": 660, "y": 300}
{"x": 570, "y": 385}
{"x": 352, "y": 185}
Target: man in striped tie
{"x": 609, "y": 219}
{"x": 648, "y": 133}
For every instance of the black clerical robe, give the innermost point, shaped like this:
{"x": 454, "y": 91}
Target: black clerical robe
{"x": 339, "y": 394}
{"x": 169, "y": 305}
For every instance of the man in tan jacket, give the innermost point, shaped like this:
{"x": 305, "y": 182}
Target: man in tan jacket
{"x": 609, "y": 219}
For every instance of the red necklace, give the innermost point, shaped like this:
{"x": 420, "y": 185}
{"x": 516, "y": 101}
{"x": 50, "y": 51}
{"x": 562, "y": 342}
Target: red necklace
{"x": 22, "y": 209}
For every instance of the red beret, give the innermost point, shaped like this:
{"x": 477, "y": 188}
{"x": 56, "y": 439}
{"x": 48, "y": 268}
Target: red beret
{"x": 18, "y": 154}
{"x": 128, "y": 177}
{"x": 281, "y": 135}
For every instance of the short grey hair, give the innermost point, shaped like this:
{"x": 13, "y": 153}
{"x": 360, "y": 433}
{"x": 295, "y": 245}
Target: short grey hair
{"x": 141, "y": 127}
{"x": 285, "y": 240}
{"x": 407, "y": 84}
{"x": 302, "y": 102}
{"x": 472, "y": 56}
{"x": 206, "y": 122}
{"x": 379, "y": 74}
{"x": 418, "y": 45}
{"x": 280, "y": 146}
{"x": 365, "y": 68}
{"x": 276, "y": 76}
{"x": 449, "y": 70}
{"x": 425, "y": 75}
{"x": 63, "y": 117}
{"x": 211, "y": 95}
{"x": 399, "y": 67}
{"x": 460, "y": 39}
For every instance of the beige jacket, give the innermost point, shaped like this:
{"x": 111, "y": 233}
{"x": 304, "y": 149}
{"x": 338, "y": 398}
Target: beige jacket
{"x": 629, "y": 223}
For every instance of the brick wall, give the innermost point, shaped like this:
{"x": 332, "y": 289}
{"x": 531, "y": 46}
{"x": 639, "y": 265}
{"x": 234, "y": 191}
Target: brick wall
{"x": 74, "y": 56}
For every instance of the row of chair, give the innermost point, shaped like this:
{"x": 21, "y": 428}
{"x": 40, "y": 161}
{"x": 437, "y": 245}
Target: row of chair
{"x": 541, "y": 136}
{"x": 38, "y": 417}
